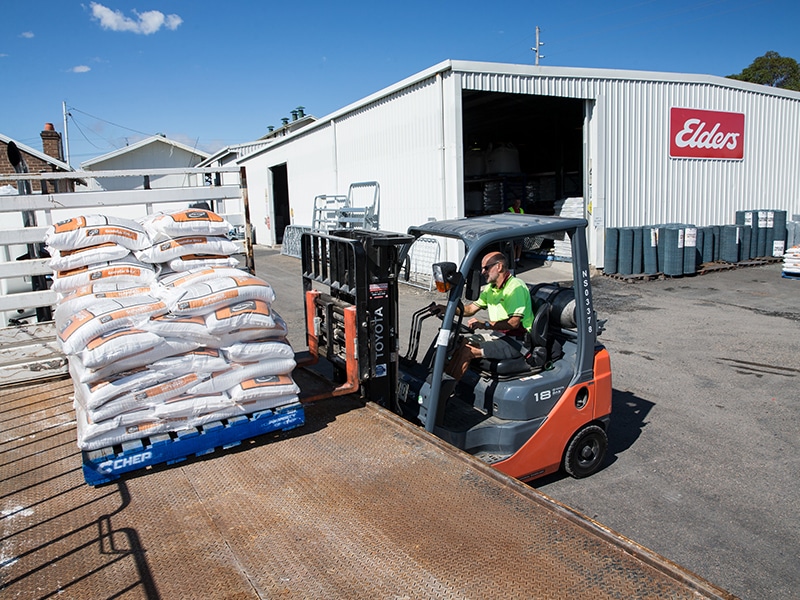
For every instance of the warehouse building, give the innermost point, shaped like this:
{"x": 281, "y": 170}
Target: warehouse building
{"x": 626, "y": 148}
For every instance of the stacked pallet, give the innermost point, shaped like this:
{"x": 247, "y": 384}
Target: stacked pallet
{"x": 571, "y": 208}
{"x": 791, "y": 263}
{"x": 677, "y": 249}
{"x": 163, "y": 333}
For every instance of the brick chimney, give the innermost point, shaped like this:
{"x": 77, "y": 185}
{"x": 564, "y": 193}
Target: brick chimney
{"x": 51, "y": 142}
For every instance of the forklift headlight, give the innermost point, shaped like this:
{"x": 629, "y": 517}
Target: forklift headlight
{"x": 445, "y": 275}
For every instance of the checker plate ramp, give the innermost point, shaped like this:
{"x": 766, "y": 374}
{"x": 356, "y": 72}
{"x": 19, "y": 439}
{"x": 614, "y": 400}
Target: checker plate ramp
{"x": 354, "y": 504}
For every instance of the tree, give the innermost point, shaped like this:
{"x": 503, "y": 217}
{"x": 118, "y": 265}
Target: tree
{"x": 773, "y": 70}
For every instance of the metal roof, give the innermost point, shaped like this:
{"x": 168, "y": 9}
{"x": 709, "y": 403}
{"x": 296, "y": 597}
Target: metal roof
{"x": 491, "y": 68}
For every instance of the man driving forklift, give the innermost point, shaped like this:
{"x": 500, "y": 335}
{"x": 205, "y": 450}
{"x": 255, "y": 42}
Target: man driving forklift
{"x": 508, "y": 302}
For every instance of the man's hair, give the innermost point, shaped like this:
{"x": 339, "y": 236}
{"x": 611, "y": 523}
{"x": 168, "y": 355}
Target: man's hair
{"x": 493, "y": 257}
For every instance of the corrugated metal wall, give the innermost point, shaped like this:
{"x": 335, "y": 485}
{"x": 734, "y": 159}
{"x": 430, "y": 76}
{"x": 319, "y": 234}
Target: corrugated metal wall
{"x": 409, "y": 140}
{"x": 645, "y": 186}
{"x": 641, "y": 184}
{"x": 397, "y": 142}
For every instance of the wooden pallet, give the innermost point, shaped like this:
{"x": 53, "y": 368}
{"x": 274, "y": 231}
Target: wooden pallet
{"x": 702, "y": 269}
{"x": 107, "y": 464}
{"x": 713, "y": 267}
{"x": 634, "y": 278}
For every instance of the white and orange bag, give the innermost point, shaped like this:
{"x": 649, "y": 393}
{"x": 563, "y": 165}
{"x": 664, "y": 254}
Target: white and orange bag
{"x": 258, "y": 350}
{"x": 168, "y": 250}
{"x": 92, "y": 230}
{"x": 116, "y": 345}
{"x": 92, "y": 395}
{"x": 238, "y": 372}
{"x": 245, "y": 314}
{"x": 127, "y": 270}
{"x": 194, "y": 261}
{"x": 87, "y": 295}
{"x": 205, "y": 297}
{"x": 149, "y": 397}
{"x": 74, "y": 330}
{"x": 199, "y": 360}
{"x": 168, "y": 347}
{"x": 64, "y": 260}
{"x": 191, "y": 221}
{"x": 277, "y": 387}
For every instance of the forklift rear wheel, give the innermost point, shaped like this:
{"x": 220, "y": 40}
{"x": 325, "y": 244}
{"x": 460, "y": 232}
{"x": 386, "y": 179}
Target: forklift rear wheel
{"x": 586, "y": 451}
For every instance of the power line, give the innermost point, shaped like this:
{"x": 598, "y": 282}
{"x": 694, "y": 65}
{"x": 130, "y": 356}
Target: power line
{"x": 71, "y": 108}
{"x": 80, "y": 129}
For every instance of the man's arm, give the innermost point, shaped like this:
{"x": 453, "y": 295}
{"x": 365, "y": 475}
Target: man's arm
{"x": 469, "y": 310}
{"x": 512, "y": 322}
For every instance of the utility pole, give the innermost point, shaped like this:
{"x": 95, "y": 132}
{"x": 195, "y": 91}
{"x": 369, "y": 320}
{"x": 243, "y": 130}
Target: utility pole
{"x": 537, "y": 46}
{"x": 66, "y": 133}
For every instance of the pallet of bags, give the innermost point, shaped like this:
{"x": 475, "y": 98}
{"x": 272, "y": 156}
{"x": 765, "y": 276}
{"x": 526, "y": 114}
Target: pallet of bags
{"x": 791, "y": 263}
{"x": 163, "y": 334}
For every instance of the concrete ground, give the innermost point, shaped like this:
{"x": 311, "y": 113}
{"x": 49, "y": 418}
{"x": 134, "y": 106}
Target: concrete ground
{"x": 704, "y": 452}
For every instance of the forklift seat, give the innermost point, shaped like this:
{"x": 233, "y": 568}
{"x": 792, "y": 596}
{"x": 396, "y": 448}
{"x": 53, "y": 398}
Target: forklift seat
{"x": 535, "y": 346}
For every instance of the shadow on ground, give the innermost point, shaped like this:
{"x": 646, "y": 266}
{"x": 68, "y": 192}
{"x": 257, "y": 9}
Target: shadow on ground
{"x": 628, "y": 420}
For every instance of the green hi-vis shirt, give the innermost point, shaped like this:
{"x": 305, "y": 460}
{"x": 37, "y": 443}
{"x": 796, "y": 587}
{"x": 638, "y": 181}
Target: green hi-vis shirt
{"x": 513, "y": 299}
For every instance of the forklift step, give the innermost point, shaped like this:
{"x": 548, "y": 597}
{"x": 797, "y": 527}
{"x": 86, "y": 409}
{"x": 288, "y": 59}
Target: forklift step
{"x": 108, "y": 464}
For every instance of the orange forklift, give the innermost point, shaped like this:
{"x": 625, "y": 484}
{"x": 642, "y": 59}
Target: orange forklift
{"x": 529, "y": 416}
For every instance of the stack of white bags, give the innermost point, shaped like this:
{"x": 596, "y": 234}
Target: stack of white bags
{"x": 791, "y": 262}
{"x": 571, "y": 208}
{"x": 162, "y": 331}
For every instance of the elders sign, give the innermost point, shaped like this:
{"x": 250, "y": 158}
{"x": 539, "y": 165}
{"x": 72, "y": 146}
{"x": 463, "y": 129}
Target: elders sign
{"x": 706, "y": 134}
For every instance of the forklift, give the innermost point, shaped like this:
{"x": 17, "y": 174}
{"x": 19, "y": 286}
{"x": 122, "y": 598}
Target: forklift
{"x": 530, "y": 416}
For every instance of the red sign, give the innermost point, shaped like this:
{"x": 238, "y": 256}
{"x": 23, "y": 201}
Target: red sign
{"x": 706, "y": 134}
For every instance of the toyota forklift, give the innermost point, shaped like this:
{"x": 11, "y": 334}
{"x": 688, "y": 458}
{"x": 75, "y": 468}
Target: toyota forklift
{"x": 529, "y": 416}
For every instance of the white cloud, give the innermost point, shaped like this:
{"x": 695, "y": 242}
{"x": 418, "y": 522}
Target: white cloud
{"x": 80, "y": 69}
{"x": 26, "y": 34}
{"x": 145, "y": 23}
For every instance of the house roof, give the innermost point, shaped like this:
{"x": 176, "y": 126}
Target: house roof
{"x": 37, "y": 153}
{"x": 236, "y": 151}
{"x": 466, "y": 66}
{"x": 155, "y": 139}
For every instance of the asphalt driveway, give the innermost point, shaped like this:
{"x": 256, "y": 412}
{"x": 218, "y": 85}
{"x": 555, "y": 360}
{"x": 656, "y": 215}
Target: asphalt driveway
{"x": 704, "y": 457}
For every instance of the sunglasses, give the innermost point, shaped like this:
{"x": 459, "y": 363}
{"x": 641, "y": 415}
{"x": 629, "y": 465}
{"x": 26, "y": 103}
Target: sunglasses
{"x": 489, "y": 266}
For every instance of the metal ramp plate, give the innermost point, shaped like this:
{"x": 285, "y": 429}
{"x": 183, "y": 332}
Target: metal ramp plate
{"x": 355, "y": 504}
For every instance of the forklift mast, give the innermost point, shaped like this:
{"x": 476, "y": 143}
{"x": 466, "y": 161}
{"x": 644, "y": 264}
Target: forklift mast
{"x": 353, "y": 320}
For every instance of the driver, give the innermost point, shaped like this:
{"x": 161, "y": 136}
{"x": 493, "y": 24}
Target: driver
{"x": 508, "y": 302}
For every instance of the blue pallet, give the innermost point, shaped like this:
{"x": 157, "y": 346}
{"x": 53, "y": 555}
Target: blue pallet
{"x": 787, "y": 275}
{"x": 107, "y": 464}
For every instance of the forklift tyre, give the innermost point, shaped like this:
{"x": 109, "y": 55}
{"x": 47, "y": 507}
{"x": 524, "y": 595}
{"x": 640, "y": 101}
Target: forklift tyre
{"x": 586, "y": 451}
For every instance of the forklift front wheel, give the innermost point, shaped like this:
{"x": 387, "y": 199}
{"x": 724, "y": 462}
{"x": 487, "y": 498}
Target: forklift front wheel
{"x": 586, "y": 451}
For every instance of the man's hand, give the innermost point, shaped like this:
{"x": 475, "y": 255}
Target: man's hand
{"x": 475, "y": 324}
{"x": 437, "y": 309}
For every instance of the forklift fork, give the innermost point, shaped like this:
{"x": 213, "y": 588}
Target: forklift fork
{"x": 313, "y": 325}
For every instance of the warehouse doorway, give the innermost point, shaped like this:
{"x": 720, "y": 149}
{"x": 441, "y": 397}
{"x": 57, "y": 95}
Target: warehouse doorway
{"x": 280, "y": 200}
{"x": 522, "y": 146}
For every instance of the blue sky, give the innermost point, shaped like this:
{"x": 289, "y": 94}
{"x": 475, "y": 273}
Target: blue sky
{"x": 210, "y": 74}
